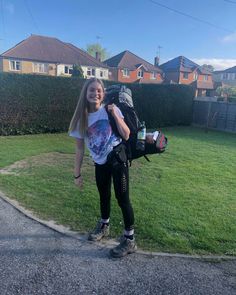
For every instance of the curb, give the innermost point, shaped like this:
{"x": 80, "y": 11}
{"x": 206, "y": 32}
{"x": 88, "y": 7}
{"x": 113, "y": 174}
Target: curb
{"x": 108, "y": 243}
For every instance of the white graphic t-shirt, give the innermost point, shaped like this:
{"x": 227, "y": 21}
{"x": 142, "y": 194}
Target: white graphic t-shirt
{"x": 99, "y": 137}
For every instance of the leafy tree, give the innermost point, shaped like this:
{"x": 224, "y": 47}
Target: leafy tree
{"x": 209, "y": 68}
{"x": 77, "y": 71}
{"x": 228, "y": 92}
{"x": 96, "y": 47}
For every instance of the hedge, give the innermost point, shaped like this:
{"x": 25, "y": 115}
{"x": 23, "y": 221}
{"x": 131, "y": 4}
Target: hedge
{"x": 38, "y": 104}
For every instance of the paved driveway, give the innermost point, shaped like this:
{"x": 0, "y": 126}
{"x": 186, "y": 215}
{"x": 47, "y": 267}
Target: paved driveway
{"x": 35, "y": 259}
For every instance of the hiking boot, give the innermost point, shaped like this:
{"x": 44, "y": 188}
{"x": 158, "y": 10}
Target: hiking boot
{"x": 125, "y": 247}
{"x": 101, "y": 230}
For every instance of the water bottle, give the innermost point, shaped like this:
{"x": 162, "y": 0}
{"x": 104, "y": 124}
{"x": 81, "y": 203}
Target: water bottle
{"x": 141, "y": 137}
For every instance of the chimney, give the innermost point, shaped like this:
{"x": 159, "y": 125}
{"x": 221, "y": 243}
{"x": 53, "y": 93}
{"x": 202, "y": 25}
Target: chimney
{"x": 98, "y": 56}
{"x": 156, "y": 61}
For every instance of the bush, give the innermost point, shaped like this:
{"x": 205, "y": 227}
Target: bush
{"x": 39, "y": 104}
{"x": 163, "y": 105}
{"x": 36, "y": 104}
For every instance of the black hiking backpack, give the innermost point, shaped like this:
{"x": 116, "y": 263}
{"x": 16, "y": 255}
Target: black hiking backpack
{"x": 121, "y": 96}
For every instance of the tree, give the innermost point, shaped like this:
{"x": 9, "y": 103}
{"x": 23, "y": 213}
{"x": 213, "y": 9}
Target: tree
{"x": 228, "y": 92}
{"x": 77, "y": 71}
{"x": 96, "y": 47}
{"x": 209, "y": 68}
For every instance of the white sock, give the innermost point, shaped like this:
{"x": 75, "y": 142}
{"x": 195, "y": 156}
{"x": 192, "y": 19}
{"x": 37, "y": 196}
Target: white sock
{"x": 105, "y": 220}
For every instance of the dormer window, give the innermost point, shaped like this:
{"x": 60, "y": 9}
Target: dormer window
{"x": 140, "y": 74}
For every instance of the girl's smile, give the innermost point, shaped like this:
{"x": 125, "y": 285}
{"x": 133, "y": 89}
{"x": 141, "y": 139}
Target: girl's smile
{"x": 95, "y": 95}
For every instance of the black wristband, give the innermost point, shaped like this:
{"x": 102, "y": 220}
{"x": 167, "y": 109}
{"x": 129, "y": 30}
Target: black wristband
{"x": 76, "y": 177}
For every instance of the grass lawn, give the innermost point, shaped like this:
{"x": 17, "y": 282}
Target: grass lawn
{"x": 184, "y": 200}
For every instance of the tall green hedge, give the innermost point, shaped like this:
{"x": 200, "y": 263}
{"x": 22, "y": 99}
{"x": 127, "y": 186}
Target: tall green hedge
{"x": 163, "y": 105}
{"x": 39, "y": 104}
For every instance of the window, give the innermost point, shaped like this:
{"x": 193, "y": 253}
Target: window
{"x": 205, "y": 77}
{"x": 195, "y": 76}
{"x": 185, "y": 75}
{"x": 126, "y": 72}
{"x": 153, "y": 75}
{"x": 140, "y": 74}
{"x": 15, "y": 65}
{"x": 91, "y": 72}
{"x": 101, "y": 74}
{"x": 225, "y": 76}
{"x": 40, "y": 68}
{"x": 68, "y": 70}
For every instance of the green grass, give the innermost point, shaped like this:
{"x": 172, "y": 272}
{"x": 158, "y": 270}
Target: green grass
{"x": 184, "y": 200}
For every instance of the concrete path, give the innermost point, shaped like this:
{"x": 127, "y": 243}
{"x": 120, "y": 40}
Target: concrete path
{"x": 35, "y": 259}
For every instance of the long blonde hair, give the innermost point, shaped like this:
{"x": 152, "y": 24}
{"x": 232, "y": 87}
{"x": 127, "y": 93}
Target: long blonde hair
{"x": 81, "y": 110}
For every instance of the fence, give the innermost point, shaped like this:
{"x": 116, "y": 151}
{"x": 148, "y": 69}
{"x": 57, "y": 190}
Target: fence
{"x": 215, "y": 115}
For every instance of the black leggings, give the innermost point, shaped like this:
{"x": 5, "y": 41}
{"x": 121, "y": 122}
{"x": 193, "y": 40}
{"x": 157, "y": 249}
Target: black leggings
{"x": 120, "y": 174}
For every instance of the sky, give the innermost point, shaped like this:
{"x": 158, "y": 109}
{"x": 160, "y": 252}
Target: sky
{"x": 203, "y": 30}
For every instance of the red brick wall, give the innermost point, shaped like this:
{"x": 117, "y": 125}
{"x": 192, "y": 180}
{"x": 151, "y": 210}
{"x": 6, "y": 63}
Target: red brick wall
{"x": 191, "y": 78}
{"x": 133, "y": 76}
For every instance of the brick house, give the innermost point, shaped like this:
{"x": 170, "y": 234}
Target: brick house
{"x": 50, "y": 56}
{"x": 227, "y": 77}
{"x": 181, "y": 70}
{"x": 127, "y": 67}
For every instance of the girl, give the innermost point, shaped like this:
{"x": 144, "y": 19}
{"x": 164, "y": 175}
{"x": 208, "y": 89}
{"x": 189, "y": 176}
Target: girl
{"x": 90, "y": 125}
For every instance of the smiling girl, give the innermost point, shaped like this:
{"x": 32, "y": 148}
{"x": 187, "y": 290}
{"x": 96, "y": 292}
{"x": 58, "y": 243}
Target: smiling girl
{"x": 90, "y": 125}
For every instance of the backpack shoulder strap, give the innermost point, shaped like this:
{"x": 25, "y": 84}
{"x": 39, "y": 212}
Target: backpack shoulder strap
{"x": 112, "y": 121}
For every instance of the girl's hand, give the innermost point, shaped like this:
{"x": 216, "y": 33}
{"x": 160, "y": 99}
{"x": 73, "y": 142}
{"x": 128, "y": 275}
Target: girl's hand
{"x": 79, "y": 182}
{"x": 111, "y": 109}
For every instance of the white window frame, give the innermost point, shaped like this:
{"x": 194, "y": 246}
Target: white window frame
{"x": 69, "y": 70}
{"x": 126, "y": 72}
{"x": 39, "y": 67}
{"x": 140, "y": 74}
{"x": 15, "y": 65}
{"x": 205, "y": 78}
{"x": 91, "y": 72}
{"x": 153, "y": 75}
{"x": 195, "y": 76}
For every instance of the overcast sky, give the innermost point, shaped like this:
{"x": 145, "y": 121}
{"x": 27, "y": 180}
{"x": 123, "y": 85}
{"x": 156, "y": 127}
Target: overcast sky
{"x": 203, "y": 31}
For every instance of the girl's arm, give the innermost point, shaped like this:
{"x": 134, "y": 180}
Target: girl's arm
{"x": 120, "y": 123}
{"x": 79, "y": 155}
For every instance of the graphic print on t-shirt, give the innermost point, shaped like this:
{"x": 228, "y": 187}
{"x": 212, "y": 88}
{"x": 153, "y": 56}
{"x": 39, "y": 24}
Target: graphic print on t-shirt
{"x": 99, "y": 137}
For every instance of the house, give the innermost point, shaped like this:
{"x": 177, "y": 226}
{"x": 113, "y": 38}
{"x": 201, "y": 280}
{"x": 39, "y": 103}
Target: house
{"x": 50, "y": 56}
{"x": 182, "y": 70}
{"x": 227, "y": 77}
{"x": 127, "y": 67}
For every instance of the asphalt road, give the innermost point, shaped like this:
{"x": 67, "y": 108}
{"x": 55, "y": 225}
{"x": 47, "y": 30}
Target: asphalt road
{"x": 35, "y": 259}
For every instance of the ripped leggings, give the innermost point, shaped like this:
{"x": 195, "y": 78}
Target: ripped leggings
{"x": 104, "y": 174}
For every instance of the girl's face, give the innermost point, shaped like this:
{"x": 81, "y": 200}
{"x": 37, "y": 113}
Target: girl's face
{"x": 95, "y": 95}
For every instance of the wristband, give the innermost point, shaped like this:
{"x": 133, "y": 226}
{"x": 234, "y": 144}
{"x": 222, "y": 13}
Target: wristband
{"x": 76, "y": 177}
